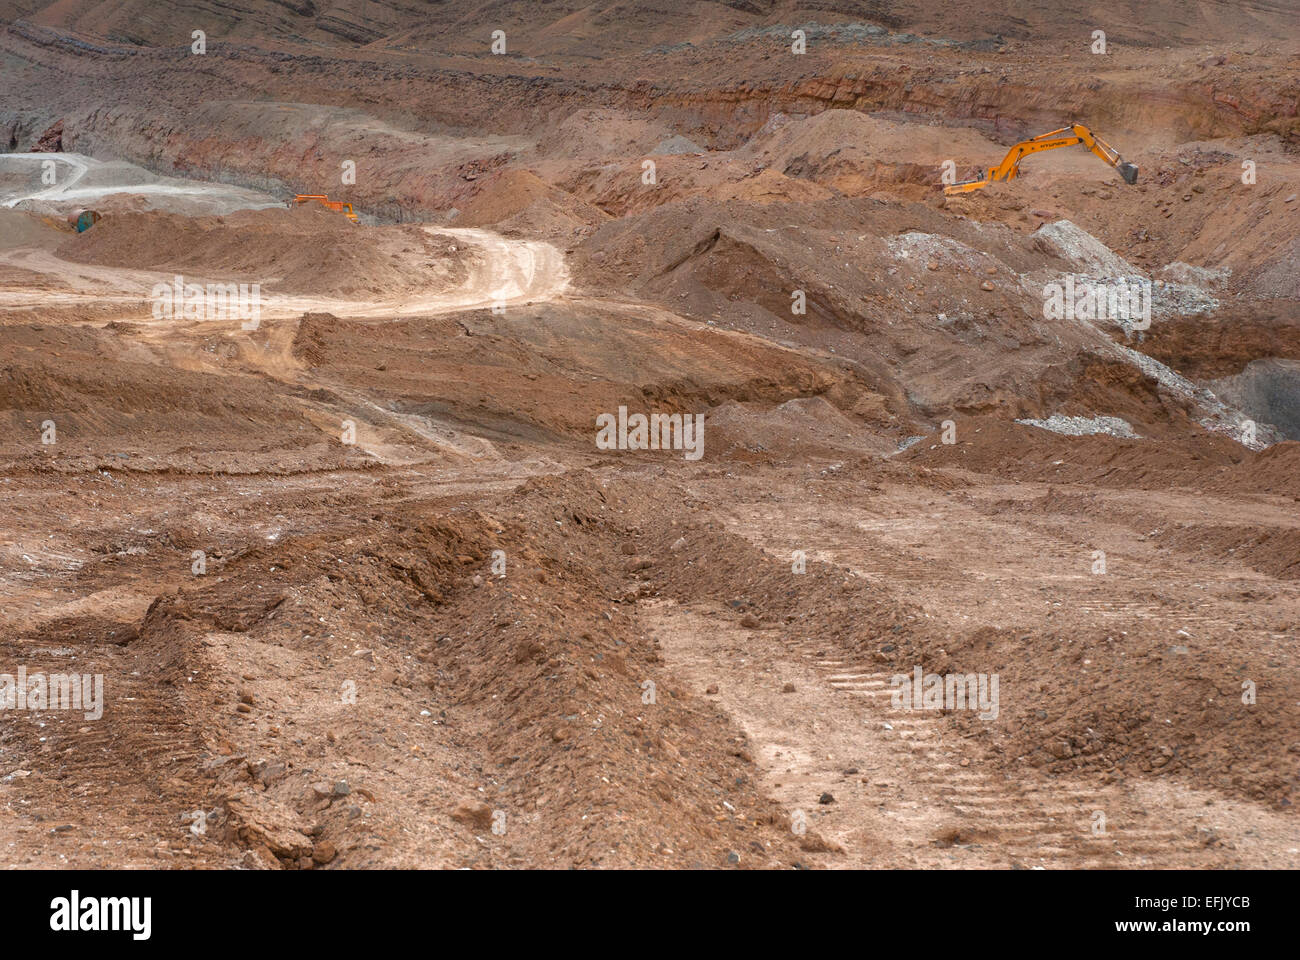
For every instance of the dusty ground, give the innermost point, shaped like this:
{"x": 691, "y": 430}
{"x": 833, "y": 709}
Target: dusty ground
{"x": 364, "y": 589}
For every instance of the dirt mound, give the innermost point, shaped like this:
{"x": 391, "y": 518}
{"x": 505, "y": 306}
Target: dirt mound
{"x": 517, "y": 202}
{"x": 600, "y": 133}
{"x": 1022, "y": 452}
{"x": 940, "y": 311}
{"x": 773, "y": 187}
{"x": 307, "y": 249}
{"x": 142, "y": 416}
{"x": 1275, "y": 469}
{"x": 803, "y": 428}
{"x": 1270, "y": 550}
{"x": 542, "y": 366}
{"x": 19, "y": 229}
{"x": 480, "y": 683}
{"x": 856, "y": 153}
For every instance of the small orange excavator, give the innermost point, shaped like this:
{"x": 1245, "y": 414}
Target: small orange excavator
{"x": 1009, "y": 168}
{"x": 339, "y": 205}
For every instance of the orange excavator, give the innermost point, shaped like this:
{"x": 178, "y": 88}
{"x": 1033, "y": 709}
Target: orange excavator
{"x": 1009, "y": 168}
{"x": 339, "y": 205}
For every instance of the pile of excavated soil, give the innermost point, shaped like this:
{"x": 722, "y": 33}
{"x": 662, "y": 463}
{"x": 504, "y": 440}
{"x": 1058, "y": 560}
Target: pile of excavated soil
{"x": 19, "y": 229}
{"x": 937, "y": 309}
{"x": 532, "y": 701}
{"x": 797, "y": 429}
{"x": 771, "y": 186}
{"x": 307, "y": 249}
{"x": 147, "y": 416}
{"x": 517, "y": 202}
{"x": 1022, "y": 452}
{"x": 600, "y": 133}
{"x": 1274, "y": 469}
{"x": 549, "y": 371}
{"x": 1200, "y": 461}
{"x": 833, "y": 146}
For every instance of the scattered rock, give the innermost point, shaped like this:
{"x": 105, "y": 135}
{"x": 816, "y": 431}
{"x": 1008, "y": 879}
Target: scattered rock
{"x": 259, "y": 858}
{"x": 257, "y": 820}
{"x": 815, "y": 843}
{"x": 476, "y": 815}
{"x": 270, "y": 773}
{"x": 825, "y": 798}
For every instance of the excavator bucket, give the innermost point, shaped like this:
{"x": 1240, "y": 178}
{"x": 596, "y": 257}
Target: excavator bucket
{"x": 1075, "y": 133}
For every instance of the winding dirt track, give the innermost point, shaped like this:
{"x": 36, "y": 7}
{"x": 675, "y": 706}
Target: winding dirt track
{"x": 115, "y": 179}
{"x": 79, "y": 166}
{"x": 502, "y": 271}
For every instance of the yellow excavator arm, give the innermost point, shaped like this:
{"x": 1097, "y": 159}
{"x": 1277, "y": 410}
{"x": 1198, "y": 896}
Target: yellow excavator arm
{"x": 1009, "y": 168}
{"x": 339, "y": 205}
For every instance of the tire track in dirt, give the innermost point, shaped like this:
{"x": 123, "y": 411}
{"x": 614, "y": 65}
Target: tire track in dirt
{"x": 907, "y": 790}
{"x": 909, "y": 787}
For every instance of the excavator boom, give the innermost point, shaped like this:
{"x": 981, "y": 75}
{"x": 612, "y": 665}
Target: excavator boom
{"x": 338, "y": 205}
{"x": 1076, "y": 133}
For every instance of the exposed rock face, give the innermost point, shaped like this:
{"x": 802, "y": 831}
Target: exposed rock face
{"x": 51, "y": 141}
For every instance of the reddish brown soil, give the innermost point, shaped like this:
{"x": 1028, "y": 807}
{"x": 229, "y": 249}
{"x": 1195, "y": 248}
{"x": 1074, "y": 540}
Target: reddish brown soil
{"x": 280, "y": 546}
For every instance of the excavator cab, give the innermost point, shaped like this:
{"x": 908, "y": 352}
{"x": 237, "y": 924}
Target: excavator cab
{"x": 1075, "y": 133}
